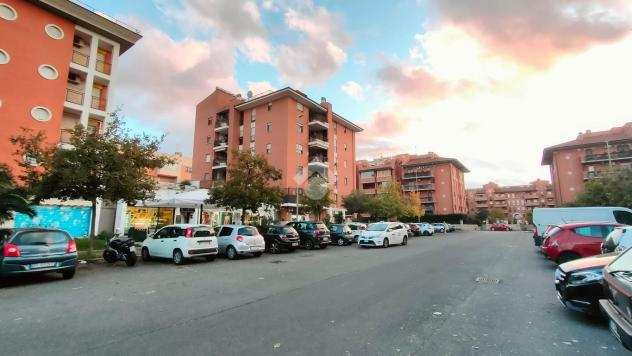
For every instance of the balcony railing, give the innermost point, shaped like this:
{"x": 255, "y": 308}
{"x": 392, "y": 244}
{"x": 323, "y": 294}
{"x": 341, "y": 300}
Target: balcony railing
{"x": 221, "y": 125}
{"x": 104, "y": 67}
{"x": 98, "y": 103}
{"x": 74, "y": 96}
{"x": 80, "y": 58}
{"x": 367, "y": 179}
{"x": 417, "y": 187}
{"x": 318, "y": 141}
{"x": 217, "y": 164}
{"x": 318, "y": 121}
{"x": 415, "y": 175}
{"x": 604, "y": 157}
{"x": 220, "y": 145}
{"x": 65, "y": 135}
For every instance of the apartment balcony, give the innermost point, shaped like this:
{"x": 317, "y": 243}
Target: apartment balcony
{"x": 605, "y": 157}
{"x": 531, "y": 196}
{"x": 418, "y": 175}
{"x": 289, "y": 196}
{"x": 370, "y": 191}
{"x": 318, "y": 122}
{"x": 104, "y": 67}
{"x": 318, "y": 142}
{"x": 500, "y": 198}
{"x": 98, "y": 103}
{"x": 383, "y": 178}
{"x": 74, "y": 96}
{"x": 219, "y": 164}
{"x": 480, "y": 199}
{"x": 80, "y": 58}
{"x": 482, "y": 205}
{"x": 417, "y": 187}
{"x": 367, "y": 179}
{"x": 65, "y": 135}
{"x": 318, "y": 162}
{"x": 221, "y": 126}
{"x": 220, "y": 146}
{"x": 592, "y": 175}
{"x": 532, "y": 203}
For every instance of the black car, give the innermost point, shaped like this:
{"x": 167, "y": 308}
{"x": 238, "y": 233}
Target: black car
{"x": 579, "y": 283}
{"x": 617, "y": 304}
{"x": 414, "y": 229}
{"x": 312, "y": 234}
{"x": 281, "y": 238}
{"x": 26, "y": 251}
{"x": 341, "y": 234}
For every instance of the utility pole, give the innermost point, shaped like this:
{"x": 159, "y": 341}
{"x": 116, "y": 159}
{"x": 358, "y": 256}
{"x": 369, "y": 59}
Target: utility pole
{"x": 297, "y": 193}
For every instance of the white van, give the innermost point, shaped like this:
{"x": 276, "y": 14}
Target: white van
{"x": 543, "y": 217}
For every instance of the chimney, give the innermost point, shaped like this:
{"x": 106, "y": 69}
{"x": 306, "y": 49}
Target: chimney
{"x": 323, "y": 100}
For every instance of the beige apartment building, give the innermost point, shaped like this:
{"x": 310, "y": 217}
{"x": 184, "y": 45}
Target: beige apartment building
{"x": 515, "y": 200}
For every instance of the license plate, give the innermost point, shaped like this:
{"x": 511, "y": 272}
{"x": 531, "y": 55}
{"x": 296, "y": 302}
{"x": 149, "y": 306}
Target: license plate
{"x": 294, "y": 243}
{"x": 43, "y": 265}
{"x": 205, "y": 242}
{"x": 614, "y": 330}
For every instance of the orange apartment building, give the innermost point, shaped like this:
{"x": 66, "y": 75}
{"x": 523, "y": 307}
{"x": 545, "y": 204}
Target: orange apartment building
{"x": 574, "y": 162}
{"x": 297, "y": 135}
{"x": 57, "y": 59}
{"x": 515, "y": 201}
{"x": 177, "y": 172}
{"x": 438, "y": 180}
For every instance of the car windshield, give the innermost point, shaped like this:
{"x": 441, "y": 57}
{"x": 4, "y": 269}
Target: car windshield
{"x": 622, "y": 263}
{"x": 289, "y": 230}
{"x": 553, "y": 231}
{"x": 40, "y": 238}
{"x": 377, "y": 227}
{"x": 247, "y": 231}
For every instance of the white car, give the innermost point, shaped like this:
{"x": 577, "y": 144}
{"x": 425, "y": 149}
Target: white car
{"x": 235, "y": 240}
{"x": 426, "y": 229}
{"x": 179, "y": 242}
{"x": 384, "y": 234}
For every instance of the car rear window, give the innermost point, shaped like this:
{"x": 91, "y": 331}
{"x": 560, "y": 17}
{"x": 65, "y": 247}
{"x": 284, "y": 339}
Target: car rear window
{"x": 40, "y": 238}
{"x": 289, "y": 230}
{"x": 203, "y": 233}
{"x": 590, "y": 231}
{"x": 321, "y": 226}
{"x": 247, "y": 231}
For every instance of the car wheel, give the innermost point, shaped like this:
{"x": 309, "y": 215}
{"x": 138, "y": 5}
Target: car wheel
{"x": 323, "y": 246}
{"x": 210, "y": 258}
{"x": 567, "y": 256}
{"x": 385, "y": 243}
{"x": 341, "y": 242}
{"x": 308, "y": 245}
{"x": 231, "y": 253}
{"x": 131, "y": 259}
{"x": 68, "y": 274}
{"x": 405, "y": 241}
{"x": 274, "y": 247}
{"x": 144, "y": 254}
{"x": 178, "y": 257}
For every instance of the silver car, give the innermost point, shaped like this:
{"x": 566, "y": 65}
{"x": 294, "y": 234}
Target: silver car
{"x": 236, "y": 240}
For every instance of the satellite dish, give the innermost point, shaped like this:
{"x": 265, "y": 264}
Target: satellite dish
{"x": 249, "y": 94}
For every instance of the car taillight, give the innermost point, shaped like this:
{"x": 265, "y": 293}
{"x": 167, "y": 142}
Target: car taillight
{"x": 188, "y": 232}
{"x": 11, "y": 250}
{"x": 71, "y": 247}
{"x": 239, "y": 238}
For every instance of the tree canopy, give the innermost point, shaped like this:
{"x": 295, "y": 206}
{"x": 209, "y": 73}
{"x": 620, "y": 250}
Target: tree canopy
{"x": 249, "y": 185}
{"x": 613, "y": 188}
{"x": 317, "y": 196}
{"x": 356, "y": 202}
{"x": 11, "y": 198}
{"x": 496, "y": 214}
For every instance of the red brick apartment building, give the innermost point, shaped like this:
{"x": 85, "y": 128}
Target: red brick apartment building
{"x": 514, "y": 200}
{"x": 177, "y": 172}
{"x": 438, "y": 180}
{"x": 297, "y": 135}
{"x": 574, "y": 162}
{"x": 57, "y": 60}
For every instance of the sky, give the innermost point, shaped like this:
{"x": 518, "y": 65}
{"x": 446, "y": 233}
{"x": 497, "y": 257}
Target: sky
{"x": 489, "y": 82}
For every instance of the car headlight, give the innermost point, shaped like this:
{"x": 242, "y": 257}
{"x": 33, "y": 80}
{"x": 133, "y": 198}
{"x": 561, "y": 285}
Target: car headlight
{"x": 585, "y": 277}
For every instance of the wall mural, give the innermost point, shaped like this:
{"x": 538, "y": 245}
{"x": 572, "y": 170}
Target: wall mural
{"x": 75, "y": 220}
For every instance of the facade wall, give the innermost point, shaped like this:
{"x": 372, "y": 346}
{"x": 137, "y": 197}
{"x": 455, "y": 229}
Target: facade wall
{"x": 569, "y": 178}
{"x": 514, "y": 201}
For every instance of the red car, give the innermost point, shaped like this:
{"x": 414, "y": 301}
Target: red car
{"x": 572, "y": 241}
{"x": 500, "y": 227}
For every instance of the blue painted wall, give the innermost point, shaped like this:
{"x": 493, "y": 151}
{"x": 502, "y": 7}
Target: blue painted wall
{"x": 73, "y": 219}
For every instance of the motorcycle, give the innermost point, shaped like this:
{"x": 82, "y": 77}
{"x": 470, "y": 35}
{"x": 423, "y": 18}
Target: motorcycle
{"x": 120, "y": 249}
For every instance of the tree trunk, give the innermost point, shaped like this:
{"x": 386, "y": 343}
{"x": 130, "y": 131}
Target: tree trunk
{"x": 92, "y": 227}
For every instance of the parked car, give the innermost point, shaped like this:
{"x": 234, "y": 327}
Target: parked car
{"x": 543, "y": 217}
{"x": 281, "y": 238}
{"x": 341, "y": 234}
{"x": 439, "y": 227}
{"x": 312, "y": 234}
{"x": 26, "y": 250}
{"x": 384, "y": 234}
{"x": 180, "y": 242}
{"x": 538, "y": 238}
{"x": 451, "y": 228}
{"x": 357, "y": 229}
{"x": 239, "y": 240}
{"x": 617, "y": 303}
{"x": 426, "y": 229}
{"x": 414, "y": 229}
{"x": 569, "y": 242}
{"x": 500, "y": 227}
{"x": 579, "y": 283}
{"x": 619, "y": 239}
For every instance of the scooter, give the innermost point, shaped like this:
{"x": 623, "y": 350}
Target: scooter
{"x": 120, "y": 249}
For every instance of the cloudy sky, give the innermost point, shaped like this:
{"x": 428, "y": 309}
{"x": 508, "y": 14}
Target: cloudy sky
{"x": 490, "y": 82}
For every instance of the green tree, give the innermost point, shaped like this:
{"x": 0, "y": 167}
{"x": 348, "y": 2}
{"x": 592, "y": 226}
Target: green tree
{"x": 496, "y": 214}
{"x": 11, "y": 199}
{"x": 317, "y": 196}
{"x": 613, "y": 188}
{"x": 528, "y": 217}
{"x": 356, "y": 202}
{"x": 389, "y": 202}
{"x": 111, "y": 165}
{"x": 415, "y": 209}
{"x": 250, "y": 185}
{"x": 482, "y": 215}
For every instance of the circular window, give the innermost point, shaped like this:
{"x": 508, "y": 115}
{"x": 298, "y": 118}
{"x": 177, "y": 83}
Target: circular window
{"x": 4, "y": 57}
{"x": 47, "y": 71}
{"x": 7, "y": 12}
{"x": 54, "y": 31}
{"x": 41, "y": 113}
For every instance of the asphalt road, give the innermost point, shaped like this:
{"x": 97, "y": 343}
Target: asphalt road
{"x": 417, "y": 299}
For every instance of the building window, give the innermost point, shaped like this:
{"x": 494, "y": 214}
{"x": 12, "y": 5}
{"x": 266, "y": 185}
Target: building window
{"x": 41, "y": 113}
{"x": 53, "y": 31}
{"x": 241, "y": 118}
{"x": 207, "y": 176}
{"x": 268, "y": 148}
{"x": 253, "y": 115}
{"x": 269, "y": 127}
{"x": 209, "y": 139}
{"x": 299, "y": 170}
{"x": 241, "y": 140}
{"x": 209, "y": 121}
{"x": 252, "y": 147}
{"x": 345, "y": 130}
{"x": 345, "y": 146}
{"x": 8, "y": 13}
{"x": 299, "y": 149}
{"x": 47, "y": 71}
{"x": 252, "y": 131}
{"x": 299, "y": 128}
{"x": 4, "y": 57}
{"x": 299, "y": 106}
{"x": 207, "y": 158}
{"x": 346, "y": 180}
{"x": 269, "y": 106}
